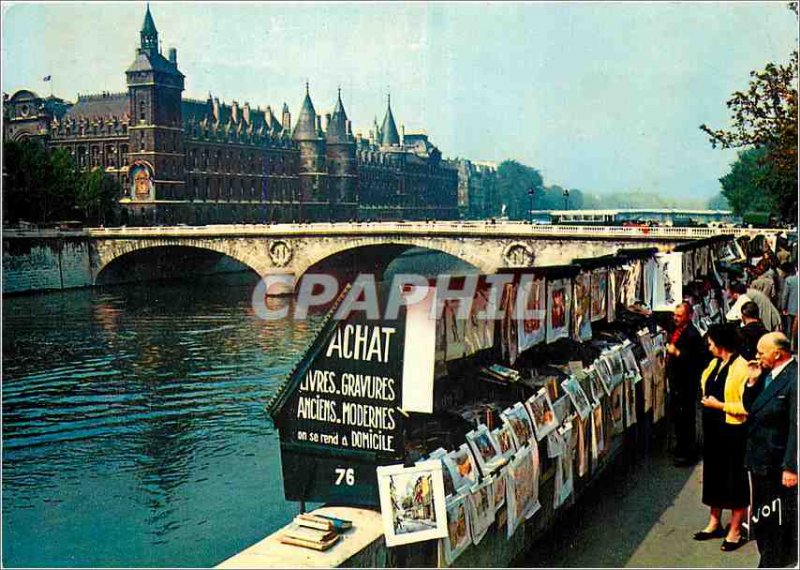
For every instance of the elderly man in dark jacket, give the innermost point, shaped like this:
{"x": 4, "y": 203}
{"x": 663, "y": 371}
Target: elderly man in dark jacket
{"x": 771, "y": 455}
{"x": 751, "y": 331}
{"x": 686, "y": 358}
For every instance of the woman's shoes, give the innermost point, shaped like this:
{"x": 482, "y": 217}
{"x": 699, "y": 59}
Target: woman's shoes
{"x": 731, "y": 546}
{"x": 716, "y": 533}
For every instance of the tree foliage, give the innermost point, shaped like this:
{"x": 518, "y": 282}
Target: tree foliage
{"x": 42, "y": 185}
{"x": 742, "y": 186}
{"x": 764, "y": 117}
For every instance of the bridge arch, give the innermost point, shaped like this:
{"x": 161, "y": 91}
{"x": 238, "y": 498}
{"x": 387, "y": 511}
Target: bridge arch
{"x": 105, "y": 255}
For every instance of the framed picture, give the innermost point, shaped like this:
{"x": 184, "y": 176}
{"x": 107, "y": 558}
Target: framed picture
{"x": 577, "y": 396}
{"x": 484, "y": 449}
{"x": 412, "y": 500}
{"x": 481, "y": 509}
{"x": 505, "y": 443}
{"x": 522, "y": 488}
{"x": 599, "y": 296}
{"x": 629, "y": 360}
{"x": 516, "y": 418}
{"x": 559, "y": 304}
{"x": 582, "y": 307}
{"x": 531, "y": 312}
{"x": 462, "y": 468}
{"x": 541, "y": 412}
{"x": 668, "y": 281}
{"x": 499, "y": 488}
{"x": 564, "y": 482}
{"x": 603, "y": 369}
{"x": 458, "y": 530}
{"x": 630, "y": 400}
{"x": 439, "y": 455}
{"x": 617, "y": 397}
{"x": 595, "y": 384}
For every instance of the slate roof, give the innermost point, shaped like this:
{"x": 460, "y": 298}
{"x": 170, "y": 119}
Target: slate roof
{"x": 103, "y": 105}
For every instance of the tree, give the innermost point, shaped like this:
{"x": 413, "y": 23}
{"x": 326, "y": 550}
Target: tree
{"x": 742, "y": 186}
{"x": 764, "y": 117}
{"x": 513, "y": 182}
{"x": 97, "y": 196}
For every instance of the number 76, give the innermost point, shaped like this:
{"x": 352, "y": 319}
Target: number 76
{"x": 348, "y": 475}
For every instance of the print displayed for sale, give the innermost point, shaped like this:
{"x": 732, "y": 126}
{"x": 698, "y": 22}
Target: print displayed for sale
{"x": 648, "y": 281}
{"x": 668, "y": 281}
{"x": 517, "y": 419}
{"x": 481, "y": 509}
{"x": 564, "y": 482}
{"x": 613, "y": 295}
{"x": 599, "y": 296}
{"x": 461, "y": 466}
{"x": 531, "y": 312}
{"x": 659, "y": 392}
{"x": 455, "y": 329}
{"x": 555, "y": 444}
{"x": 559, "y": 305}
{"x": 603, "y": 369}
{"x": 485, "y": 450}
{"x": 412, "y": 502}
{"x": 439, "y": 455}
{"x": 505, "y": 443}
{"x": 458, "y": 530}
{"x": 582, "y": 306}
{"x": 581, "y": 427}
{"x": 522, "y": 488}
{"x": 647, "y": 383}
{"x": 617, "y": 412}
{"x": 596, "y": 386}
{"x": 629, "y": 388}
{"x": 598, "y": 435}
{"x": 509, "y": 346}
{"x": 540, "y": 408}
{"x": 499, "y": 488}
{"x": 479, "y": 331}
{"x": 629, "y": 360}
{"x": 577, "y": 396}
{"x": 631, "y": 286}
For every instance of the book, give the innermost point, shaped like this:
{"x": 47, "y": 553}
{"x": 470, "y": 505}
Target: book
{"x": 325, "y": 545}
{"x": 335, "y": 523}
{"x": 310, "y": 534}
{"x": 313, "y": 521}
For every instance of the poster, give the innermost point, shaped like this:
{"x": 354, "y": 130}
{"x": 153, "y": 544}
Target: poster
{"x": 596, "y": 386}
{"x": 580, "y": 426}
{"x": 564, "y": 481}
{"x": 419, "y": 354}
{"x": 668, "y": 281}
{"x": 598, "y": 435}
{"x": 458, "y": 532}
{"x": 647, "y": 383}
{"x": 508, "y": 331}
{"x": 559, "y": 303}
{"x": 502, "y": 436}
{"x": 617, "y": 397}
{"x": 484, "y": 449}
{"x": 629, "y": 360}
{"x": 629, "y": 400}
{"x": 577, "y": 396}
{"x": 631, "y": 285}
{"x": 581, "y": 307}
{"x": 499, "y": 488}
{"x": 613, "y": 294}
{"x": 481, "y": 509}
{"x": 687, "y": 269}
{"x": 531, "y": 329}
{"x": 412, "y": 500}
{"x": 479, "y": 332}
{"x": 599, "y": 297}
{"x": 522, "y": 488}
{"x": 648, "y": 281}
{"x": 516, "y": 418}
{"x": 439, "y": 455}
{"x": 462, "y": 468}
{"x": 541, "y": 412}
{"x": 454, "y": 330}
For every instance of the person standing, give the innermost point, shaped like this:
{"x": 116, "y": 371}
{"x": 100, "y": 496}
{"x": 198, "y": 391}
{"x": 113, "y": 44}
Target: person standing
{"x": 771, "y": 453}
{"x": 788, "y": 301}
{"x": 741, "y": 294}
{"x": 751, "y": 331}
{"x": 725, "y": 484}
{"x": 686, "y": 358}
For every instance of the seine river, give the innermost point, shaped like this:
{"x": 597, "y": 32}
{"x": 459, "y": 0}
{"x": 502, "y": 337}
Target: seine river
{"x": 134, "y": 424}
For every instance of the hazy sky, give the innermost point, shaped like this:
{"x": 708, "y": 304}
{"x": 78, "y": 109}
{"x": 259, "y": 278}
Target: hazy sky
{"x": 598, "y": 96}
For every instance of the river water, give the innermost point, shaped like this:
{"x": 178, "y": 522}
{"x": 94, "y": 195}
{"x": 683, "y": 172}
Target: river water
{"x": 134, "y": 423}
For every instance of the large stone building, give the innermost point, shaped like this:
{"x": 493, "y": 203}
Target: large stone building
{"x": 181, "y": 160}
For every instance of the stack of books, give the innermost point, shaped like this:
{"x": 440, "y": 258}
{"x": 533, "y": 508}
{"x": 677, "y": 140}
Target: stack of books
{"x": 499, "y": 374}
{"x": 315, "y": 531}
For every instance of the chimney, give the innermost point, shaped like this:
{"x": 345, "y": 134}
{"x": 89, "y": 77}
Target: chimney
{"x": 173, "y": 56}
{"x": 246, "y": 112}
{"x": 286, "y": 118}
{"x": 319, "y": 124}
{"x": 327, "y": 122}
{"x": 402, "y": 135}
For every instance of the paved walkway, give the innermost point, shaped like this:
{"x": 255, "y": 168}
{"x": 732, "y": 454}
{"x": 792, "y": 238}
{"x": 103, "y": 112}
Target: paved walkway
{"x": 644, "y": 516}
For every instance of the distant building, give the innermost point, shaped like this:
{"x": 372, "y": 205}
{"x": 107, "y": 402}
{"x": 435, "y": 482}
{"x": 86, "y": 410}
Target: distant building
{"x": 477, "y": 189}
{"x": 195, "y": 161}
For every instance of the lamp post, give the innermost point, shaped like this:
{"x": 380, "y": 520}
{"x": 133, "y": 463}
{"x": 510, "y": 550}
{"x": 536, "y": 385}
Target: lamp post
{"x": 531, "y": 192}
{"x": 566, "y": 199}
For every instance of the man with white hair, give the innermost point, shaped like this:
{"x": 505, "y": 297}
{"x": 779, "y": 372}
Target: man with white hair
{"x": 771, "y": 456}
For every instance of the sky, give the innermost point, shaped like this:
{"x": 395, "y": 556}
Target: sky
{"x": 604, "y": 97}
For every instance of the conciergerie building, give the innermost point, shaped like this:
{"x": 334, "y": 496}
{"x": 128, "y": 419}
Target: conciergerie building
{"x": 182, "y": 160}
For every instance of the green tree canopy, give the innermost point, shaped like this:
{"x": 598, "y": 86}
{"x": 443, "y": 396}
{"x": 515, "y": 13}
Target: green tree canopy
{"x": 742, "y": 186}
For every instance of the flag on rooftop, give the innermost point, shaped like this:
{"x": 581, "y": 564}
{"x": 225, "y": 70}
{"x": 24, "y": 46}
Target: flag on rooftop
{"x": 47, "y": 78}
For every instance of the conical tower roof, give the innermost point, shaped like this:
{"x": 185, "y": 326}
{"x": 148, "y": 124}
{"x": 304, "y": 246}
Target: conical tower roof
{"x": 149, "y": 26}
{"x": 306, "y": 127}
{"x": 337, "y": 127}
{"x": 389, "y": 135}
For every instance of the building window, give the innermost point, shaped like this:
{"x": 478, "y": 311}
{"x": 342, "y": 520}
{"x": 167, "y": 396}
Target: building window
{"x": 141, "y": 111}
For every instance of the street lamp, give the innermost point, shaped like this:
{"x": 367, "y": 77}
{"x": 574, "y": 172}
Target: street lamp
{"x": 531, "y": 192}
{"x": 566, "y": 199}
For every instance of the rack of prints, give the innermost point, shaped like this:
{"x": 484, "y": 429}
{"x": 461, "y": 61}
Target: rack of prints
{"x": 412, "y": 501}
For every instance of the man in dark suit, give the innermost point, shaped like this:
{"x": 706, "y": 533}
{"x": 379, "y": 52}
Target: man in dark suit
{"x": 751, "y": 331}
{"x": 771, "y": 457}
{"x": 686, "y": 358}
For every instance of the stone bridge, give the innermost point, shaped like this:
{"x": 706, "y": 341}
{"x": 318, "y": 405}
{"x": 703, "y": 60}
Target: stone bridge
{"x": 295, "y": 248}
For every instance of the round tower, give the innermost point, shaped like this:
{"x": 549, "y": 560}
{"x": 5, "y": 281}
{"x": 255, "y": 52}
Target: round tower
{"x": 341, "y": 158}
{"x": 314, "y": 196}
